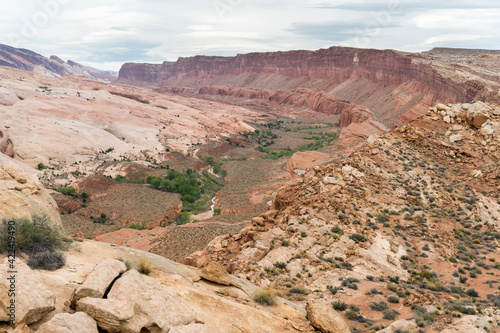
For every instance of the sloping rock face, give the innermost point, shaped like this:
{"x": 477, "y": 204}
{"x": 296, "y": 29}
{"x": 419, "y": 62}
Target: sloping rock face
{"x": 33, "y": 299}
{"x": 33, "y": 62}
{"x": 398, "y": 87}
{"x": 22, "y": 195}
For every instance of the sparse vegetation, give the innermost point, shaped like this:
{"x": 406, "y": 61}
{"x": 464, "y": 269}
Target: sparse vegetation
{"x": 38, "y": 238}
{"x": 145, "y": 267}
{"x": 265, "y": 297}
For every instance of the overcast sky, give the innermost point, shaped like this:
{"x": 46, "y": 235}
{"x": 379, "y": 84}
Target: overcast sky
{"x": 107, "y": 33}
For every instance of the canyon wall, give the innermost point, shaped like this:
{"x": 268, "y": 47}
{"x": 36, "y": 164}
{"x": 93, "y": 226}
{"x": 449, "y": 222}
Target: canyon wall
{"x": 397, "y": 87}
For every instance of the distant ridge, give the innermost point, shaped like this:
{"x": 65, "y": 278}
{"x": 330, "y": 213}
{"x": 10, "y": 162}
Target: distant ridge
{"x": 54, "y": 66}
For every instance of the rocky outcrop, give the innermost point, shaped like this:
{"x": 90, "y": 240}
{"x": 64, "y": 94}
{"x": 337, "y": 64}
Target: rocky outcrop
{"x": 300, "y": 162}
{"x": 8, "y": 97}
{"x": 138, "y": 302}
{"x": 312, "y": 100}
{"x": 99, "y": 280}
{"x": 323, "y": 317}
{"x": 6, "y": 145}
{"x": 22, "y": 195}
{"x": 33, "y": 299}
{"x": 79, "y": 322}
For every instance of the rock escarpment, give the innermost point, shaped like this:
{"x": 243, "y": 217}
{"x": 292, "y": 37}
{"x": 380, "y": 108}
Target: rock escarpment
{"x": 396, "y": 86}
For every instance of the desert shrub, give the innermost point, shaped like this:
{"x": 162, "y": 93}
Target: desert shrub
{"x": 337, "y": 230}
{"x": 390, "y": 314}
{"x": 42, "y": 166}
{"x": 38, "y": 238}
{"x": 126, "y": 262}
{"x": 351, "y": 315}
{"x": 47, "y": 260}
{"x": 70, "y": 190}
{"x": 280, "y": 265}
{"x": 333, "y": 290}
{"x": 393, "y": 299}
{"x": 339, "y": 305}
{"x": 472, "y": 293}
{"x": 381, "y": 306}
{"x": 138, "y": 226}
{"x": 350, "y": 282}
{"x": 265, "y": 297}
{"x": 298, "y": 290}
{"x": 145, "y": 267}
{"x": 358, "y": 238}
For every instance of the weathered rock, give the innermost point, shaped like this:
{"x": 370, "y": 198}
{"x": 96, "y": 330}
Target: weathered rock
{"x": 138, "y": 302}
{"x": 98, "y": 281}
{"x": 456, "y": 137}
{"x": 214, "y": 272}
{"x": 191, "y": 328}
{"x": 323, "y": 317}
{"x": 401, "y": 325}
{"x": 258, "y": 220}
{"x": 22, "y": 195}
{"x": 8, "y": 97}
{"x": 79, "y": 322}
{"x": 442, "y": 107}
{"x": 477, "y": 114}
{"x": 110, "y": 314}
{"x": 270, "y": 215}
{"x": 33, "y": 299}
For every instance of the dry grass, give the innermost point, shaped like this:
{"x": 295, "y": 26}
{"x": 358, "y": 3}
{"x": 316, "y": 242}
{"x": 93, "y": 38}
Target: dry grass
{"x": 145, "y": 267}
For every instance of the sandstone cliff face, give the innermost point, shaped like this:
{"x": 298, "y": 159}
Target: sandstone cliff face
{"x": 397, "y": 87}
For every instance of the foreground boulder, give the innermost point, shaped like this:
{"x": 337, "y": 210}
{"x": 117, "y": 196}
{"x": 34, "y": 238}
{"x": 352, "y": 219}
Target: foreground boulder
{"x": 138, "y": 302}
{"x": 33, "y": 300}
{"x": 79, "y": 322}
{"x": 214, "y": 272}
{"x": 324, "y": 318}
{"x": 98, "y": 281}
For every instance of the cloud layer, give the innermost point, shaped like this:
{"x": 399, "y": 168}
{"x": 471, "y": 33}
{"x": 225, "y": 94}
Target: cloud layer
{"x": 107, "y": 33}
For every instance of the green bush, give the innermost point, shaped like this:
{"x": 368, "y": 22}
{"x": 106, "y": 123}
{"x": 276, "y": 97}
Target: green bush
{"x": 38, "y": 238}
{"x": 138, "y": 226}
{"x": 70, "y": 190}
{"x": 337, "y": 230}
{"x": 393, "y": 299}
{"x": 339, "y": 305}
{"x": 381, "y": 306}
{"x": 358, "y": 238}
{"x": 390, "y": 314}
{"x": 280, "y": 265}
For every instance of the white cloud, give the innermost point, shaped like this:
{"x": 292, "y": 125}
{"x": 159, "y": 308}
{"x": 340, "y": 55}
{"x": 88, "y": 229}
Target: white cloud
{"x": 110, "y": 32}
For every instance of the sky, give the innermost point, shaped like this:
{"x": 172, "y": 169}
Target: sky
{"x": 107, "y": 33}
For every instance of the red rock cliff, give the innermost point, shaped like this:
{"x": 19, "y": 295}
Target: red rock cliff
{"x": 397, "y": 87}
